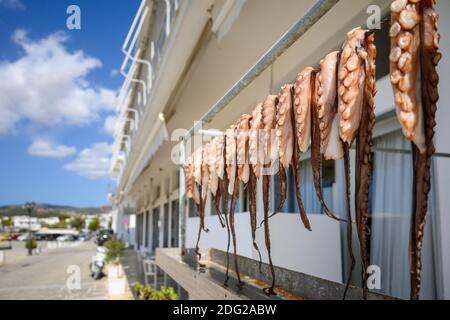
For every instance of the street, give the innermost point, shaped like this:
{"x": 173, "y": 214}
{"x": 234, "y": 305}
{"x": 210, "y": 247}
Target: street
{"x": 45, "y": 276}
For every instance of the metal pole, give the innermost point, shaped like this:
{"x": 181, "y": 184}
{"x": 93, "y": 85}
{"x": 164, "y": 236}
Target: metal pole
{"x": 182, "y": 200}
{"x": 298, "y": 29}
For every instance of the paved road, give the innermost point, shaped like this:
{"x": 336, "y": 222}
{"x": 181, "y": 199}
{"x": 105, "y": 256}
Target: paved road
{"x": 44, "y": 276}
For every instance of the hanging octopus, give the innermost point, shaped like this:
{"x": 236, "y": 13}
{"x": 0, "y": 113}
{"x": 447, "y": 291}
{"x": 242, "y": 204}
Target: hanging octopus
{"x": 255, "y": 157}
{"x": 242, "y": 136}
{"x": 323, "y": 91}
{"x": 222, "y": 192}
{"x": 269, "y": 155}
{"x": 213, "y": 183}
{"x": 285, "y": 137}
{"x": 233, "y": 188}
{"x": 356, "y": 81}
{"x": 202, "y": 158}
{"x": 414, "y": 58}
{"x": 302, "y": 127}
{"x": 191, "y": 189}
{"x": 199, "y": 177}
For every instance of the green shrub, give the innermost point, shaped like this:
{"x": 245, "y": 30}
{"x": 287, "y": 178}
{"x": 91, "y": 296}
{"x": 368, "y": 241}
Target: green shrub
{"x": 33, "y": 243}
{"x": 114, "y": 251}
{"x": 148, "y": 293}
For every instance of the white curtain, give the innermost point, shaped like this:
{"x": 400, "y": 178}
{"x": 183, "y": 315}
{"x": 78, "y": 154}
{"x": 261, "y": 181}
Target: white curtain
{"x": 391, "y": 200}
{"x": 308, "y": 192}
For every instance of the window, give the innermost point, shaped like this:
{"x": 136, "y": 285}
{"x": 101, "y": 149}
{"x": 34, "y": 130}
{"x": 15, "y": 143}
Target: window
{"x": 147, "y": 229}
{"x": 166, "y": 226}
{"x": 307, "y": 189}
{"x": 155, "y": 230}
{"x": 174, "y": 224}
{"x": 192, "y": 209}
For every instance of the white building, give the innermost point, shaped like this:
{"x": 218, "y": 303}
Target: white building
{"x": 49, "y": 221}
{"x": 26, "y": 223}
{"x": 186, "y": 56}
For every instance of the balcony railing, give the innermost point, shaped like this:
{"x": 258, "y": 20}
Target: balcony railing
{"x": 135, "y": 90}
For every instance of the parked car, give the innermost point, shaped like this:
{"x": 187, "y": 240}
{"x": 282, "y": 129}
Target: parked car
{"x": 23, "y": 237}
{"x": 67, "y": 237}
{"x": 13, "y": 236}
{"x": 84, "y": 237}
{"x": 4, "y": 237}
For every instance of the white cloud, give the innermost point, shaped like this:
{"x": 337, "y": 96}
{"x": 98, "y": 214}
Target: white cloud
{"x": 13, "y": 4}
{"x": 114, "y": 73}
{"x": 110, "y": 125}
{"x": 48, "y": 85}
{"x": 47, "y": 149}
{"x": 92, "y": 162}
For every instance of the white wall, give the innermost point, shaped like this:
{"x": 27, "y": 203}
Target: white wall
{"x": 317, "y": 253}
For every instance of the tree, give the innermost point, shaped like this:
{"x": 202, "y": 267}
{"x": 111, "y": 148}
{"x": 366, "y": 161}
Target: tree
{"x": 78, "y": 223}
{"x": 94, "y": 225}
{"x": 7, "y": 222}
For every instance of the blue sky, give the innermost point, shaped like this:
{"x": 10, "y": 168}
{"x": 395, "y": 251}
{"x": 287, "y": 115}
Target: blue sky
{"x": 57, "y": 89}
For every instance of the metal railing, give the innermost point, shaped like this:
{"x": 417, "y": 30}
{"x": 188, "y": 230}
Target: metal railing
{"x": 128, "y": 90}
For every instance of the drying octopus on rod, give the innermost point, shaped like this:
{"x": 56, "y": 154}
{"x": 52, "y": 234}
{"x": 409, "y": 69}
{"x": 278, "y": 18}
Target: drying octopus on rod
{"x": 245, "y": 171}
{"x": 202, "y": 165}
{"x": 413, "y": 61}
{"x": 303, "y": 94}
{"x": 220, "y": 161}
{"x": 324, "y": 122}
{"x": 214, "y": 178}
{"x": 269, "y": 152}
{"x": 255, "y": 158}
{"x": 285, "y": 137}
{"x": 233, "y": 188}
{"x": 356, "y": 90}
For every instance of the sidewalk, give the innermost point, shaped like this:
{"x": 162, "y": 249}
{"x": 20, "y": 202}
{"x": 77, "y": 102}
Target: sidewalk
{"x": 133, "y": 269}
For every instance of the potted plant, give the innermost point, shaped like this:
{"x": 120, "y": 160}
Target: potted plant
{"x": 114, "y": 250}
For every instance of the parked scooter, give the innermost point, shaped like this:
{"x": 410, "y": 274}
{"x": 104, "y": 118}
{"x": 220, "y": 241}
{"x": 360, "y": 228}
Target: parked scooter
{"x": 98, "y": 263}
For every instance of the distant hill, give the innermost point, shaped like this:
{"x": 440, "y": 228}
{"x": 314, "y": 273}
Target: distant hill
{"x": 46, "y": 210}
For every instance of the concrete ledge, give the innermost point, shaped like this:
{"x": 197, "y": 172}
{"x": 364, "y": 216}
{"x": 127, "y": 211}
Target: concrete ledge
{"x": 199, "y": 285}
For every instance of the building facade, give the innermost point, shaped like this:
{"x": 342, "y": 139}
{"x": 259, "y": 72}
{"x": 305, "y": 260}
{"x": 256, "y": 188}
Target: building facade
{"x": 182, "y": 56}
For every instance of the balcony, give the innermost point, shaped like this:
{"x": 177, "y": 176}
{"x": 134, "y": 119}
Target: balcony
{"x": 143, "y": 49}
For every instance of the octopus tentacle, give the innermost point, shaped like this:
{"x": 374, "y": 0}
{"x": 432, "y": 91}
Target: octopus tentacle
{"x": 429, "y": 59}
{"x": 326, "y": 101}
{"x": 255, "y": 141}
{"x": 204, "y": 184}
{"x": 230, "y": 153}
{"x": 316, "y": 161}
{"x": 405, "y": 66}
{"x": 215, "y": 154}
{"x": 268, "y": 119}
{"x": 233, "y": 230}
{"x": 255, "y": 155}
{"x": 351, "y": 85}
{"x": 349, "y": 217}
{"x": 266, "y": 188}
{"x": 252, "y": 206}
{"x": 242, "y": 138}
{"x": 414, "y": 58}
{"x": 364, "y": 157}
{"x": 233, "y": 187}
{"x": 302, "y": 108}
{"x": 302, "y": 128}
{"x": 217, "y": 198}
{"x": 285, "y": 137}
{"x": 224, "y": 188}
{"x": 298, "y": 195}
{"x": 213, "y": 182}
